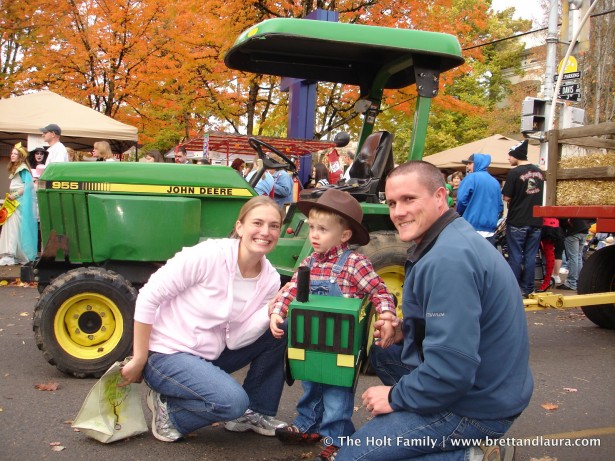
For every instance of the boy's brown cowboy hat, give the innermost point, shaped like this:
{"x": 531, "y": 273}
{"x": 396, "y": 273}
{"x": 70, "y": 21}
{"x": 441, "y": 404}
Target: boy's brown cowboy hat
{"x": 343, "y": 204}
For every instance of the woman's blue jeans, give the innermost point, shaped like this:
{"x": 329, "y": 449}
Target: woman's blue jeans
{"x": 201, "y": 392}
{"x": 406, "y": 435}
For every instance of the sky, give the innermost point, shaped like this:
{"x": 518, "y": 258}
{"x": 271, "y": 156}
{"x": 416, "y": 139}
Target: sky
{"x": 526, "y": 9}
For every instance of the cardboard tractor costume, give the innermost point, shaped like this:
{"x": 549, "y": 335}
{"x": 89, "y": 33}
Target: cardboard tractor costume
{"x": 326, "y": 339}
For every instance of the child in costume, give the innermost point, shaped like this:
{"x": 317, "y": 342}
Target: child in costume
{"x": 325, "y": 411}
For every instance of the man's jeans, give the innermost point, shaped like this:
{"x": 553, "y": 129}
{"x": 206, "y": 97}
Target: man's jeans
{"x": 199, "y": 392}
{"x": 523, "y": 243}
{"x": 574, "y": 252}
{"x": 404, "y": 434}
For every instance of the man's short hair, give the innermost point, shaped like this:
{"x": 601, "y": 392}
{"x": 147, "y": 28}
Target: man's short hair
{"x": 429, "y": 175}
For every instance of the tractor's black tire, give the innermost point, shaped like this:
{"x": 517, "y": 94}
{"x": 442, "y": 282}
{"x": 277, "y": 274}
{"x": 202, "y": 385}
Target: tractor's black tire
{"x": 83, "y": 321}
{"x": 598, "y": 276}
{"x": 388, "y": 255}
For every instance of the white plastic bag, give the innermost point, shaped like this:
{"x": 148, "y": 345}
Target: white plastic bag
{"x": 110, "y": 413}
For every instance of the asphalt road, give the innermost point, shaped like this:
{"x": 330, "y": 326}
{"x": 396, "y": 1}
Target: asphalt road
{"x": 572, "y": 360}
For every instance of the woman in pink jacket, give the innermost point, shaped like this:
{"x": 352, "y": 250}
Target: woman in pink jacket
{"x": 204, "y": 315}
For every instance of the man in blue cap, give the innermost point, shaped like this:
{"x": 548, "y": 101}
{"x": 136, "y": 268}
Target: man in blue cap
{"x": 479, "y": 198}
{"x": 57, "y": 151}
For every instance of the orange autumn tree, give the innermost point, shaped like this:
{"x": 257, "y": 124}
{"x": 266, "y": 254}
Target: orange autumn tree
{"x": 158, "y": 65}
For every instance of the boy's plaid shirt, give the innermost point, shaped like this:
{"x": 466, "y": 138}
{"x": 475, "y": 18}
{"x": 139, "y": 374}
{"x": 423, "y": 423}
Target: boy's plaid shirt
{"x": 356, "y": 280}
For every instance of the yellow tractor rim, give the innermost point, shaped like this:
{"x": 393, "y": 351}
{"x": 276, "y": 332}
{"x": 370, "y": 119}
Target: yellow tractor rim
{"x": 88, "y": 326}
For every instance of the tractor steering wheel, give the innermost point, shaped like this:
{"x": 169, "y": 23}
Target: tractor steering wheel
{"x": 268, "y": 163}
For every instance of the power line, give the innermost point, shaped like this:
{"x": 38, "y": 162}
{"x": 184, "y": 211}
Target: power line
{"x": 527, "y": 33}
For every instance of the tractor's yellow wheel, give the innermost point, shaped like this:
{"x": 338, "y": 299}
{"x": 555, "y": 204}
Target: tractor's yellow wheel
{"x": 83, "y": 321}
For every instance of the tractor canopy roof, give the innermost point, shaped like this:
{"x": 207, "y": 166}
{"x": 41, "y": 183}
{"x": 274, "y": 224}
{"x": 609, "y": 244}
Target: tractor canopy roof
{"x": 342, "y": 53}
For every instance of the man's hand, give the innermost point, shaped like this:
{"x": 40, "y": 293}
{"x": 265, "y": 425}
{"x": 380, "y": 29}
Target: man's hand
{"x": 387, "y": 330}
{"x": 376, "y": 400}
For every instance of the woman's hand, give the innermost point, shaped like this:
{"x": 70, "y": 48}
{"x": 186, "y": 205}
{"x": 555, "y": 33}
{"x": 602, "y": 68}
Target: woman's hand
{"x": 131, "y": 372}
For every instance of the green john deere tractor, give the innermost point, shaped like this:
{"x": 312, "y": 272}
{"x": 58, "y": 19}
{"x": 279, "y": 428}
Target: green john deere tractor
{"x": 109, "y": 226}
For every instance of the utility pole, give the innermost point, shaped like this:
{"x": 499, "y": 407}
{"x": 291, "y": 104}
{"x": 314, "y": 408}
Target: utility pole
{"x": 550, "y": 65}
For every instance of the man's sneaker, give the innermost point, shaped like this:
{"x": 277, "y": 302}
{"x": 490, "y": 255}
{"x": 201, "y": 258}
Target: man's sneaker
{"x": 293, "y": 435}
{"x": 253, "y": 421}
{"x": 327, "y": 454}
{"x": 162, "y": 427}
{"x": 557, "y": 279}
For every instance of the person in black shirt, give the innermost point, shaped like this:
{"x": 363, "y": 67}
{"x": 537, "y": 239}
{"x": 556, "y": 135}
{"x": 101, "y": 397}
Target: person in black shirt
{"x": 522, "y": 191}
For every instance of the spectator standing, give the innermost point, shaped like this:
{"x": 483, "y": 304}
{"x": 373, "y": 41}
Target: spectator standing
{"x": 57, "y": 151}
{"x": 37, "y": 157}
{"x": 522, "y": 191}
{"x": 18, "y": 239}
{"x": 552, "y": 245}
{"x": 282, "y": 184}
{"x": 102, "y": 152}
{"x": 479, "y": 198}
{"x": 320, "y": 173}
{"x": 460, "y": 366}
{"x": 153, "y": 156}
{"x": 265, "y": 185}
{"x": 456, "y": 179}
{"x": 576, "y": 231}
{"x": 182, "y": 156}
{"x": 238, "y": 165}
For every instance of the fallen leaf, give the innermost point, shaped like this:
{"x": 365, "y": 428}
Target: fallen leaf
{"x": 55, "y": 444}
{"x": 570, "y": 389}
{"x": 69, "y": 421}
{"x": 58, "y": 448}
{"x": 549, "y": 406}
{"x": 3, "y": 283}
{"x": 47, "y": 387}
{"x": 24, "y": 314}
{"x": 537, "y": 323}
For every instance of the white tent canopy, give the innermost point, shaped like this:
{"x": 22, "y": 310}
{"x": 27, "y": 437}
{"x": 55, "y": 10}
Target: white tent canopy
{"x": 81, "y": 126}
{"x": 497, "y": 146}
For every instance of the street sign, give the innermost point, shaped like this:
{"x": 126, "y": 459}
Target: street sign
{"x": 570, "y": 91}
{"x": 569, "y": 76}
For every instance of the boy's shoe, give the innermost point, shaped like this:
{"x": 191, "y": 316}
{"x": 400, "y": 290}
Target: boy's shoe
{"x": 497, "y": 453}
{"x": 327, "y": 454}
{"x": 293, "y": 435}
{"x": 256, "y": 422}
{"x": 162, "y": 427}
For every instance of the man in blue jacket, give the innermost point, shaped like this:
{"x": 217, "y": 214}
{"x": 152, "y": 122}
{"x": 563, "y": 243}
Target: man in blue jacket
{"x": 459, "y": 372}
{"x": 479, "y": 197}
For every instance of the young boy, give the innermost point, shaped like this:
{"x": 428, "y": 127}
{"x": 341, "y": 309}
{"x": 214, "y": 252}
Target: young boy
{"x": 325, "y": 411}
